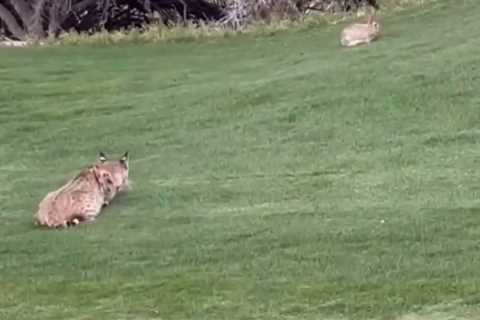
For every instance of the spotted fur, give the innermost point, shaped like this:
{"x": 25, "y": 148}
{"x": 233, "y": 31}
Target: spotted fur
{"x": 83, "y": 197}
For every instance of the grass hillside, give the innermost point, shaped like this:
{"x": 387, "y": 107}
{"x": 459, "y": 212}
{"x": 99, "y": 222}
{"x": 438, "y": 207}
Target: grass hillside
{"x": 276, "y": 177}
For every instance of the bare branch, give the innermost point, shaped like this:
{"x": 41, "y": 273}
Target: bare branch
{"x": 35, "y": 25}
{"x": 12, "y": 24}
{"x": 24, "y": 11}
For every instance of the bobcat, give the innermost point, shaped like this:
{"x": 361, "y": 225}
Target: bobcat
{"x": 82, "y": 198}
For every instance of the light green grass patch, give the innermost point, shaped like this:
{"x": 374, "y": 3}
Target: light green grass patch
{"x": 275, "y": 177}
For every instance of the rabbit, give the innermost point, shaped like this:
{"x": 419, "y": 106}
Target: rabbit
{"x": 360, "y": 33}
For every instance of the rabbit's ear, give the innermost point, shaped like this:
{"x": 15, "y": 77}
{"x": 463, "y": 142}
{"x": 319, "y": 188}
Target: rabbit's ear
{"x": 372, "y": 16}
{"x": 370, "y": 19}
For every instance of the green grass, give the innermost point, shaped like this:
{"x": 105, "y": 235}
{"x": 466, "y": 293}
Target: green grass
{"x": 262, "y": 168}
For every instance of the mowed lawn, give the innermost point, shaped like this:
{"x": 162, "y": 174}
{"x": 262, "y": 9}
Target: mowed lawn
{"x": 274, "y": 177}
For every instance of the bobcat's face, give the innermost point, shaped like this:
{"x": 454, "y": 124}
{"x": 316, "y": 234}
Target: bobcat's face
{"x": 112, "y": 175}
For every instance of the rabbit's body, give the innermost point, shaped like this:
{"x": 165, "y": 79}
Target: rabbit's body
{"x": 360, "y": 33}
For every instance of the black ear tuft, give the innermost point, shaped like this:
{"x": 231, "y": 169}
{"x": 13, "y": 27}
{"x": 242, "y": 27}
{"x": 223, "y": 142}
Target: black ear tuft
{"x": 102, "y": 157}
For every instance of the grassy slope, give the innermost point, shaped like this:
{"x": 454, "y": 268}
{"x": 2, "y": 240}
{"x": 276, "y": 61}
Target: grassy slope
{"x": 262, "y": 168}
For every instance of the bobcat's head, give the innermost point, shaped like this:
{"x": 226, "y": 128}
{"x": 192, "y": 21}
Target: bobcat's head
{"x": 112, "y": 175}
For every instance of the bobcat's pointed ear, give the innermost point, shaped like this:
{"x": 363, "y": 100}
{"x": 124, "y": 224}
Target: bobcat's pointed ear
{"x": 101, "y": 157}
{"x": 124, "y": 159}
